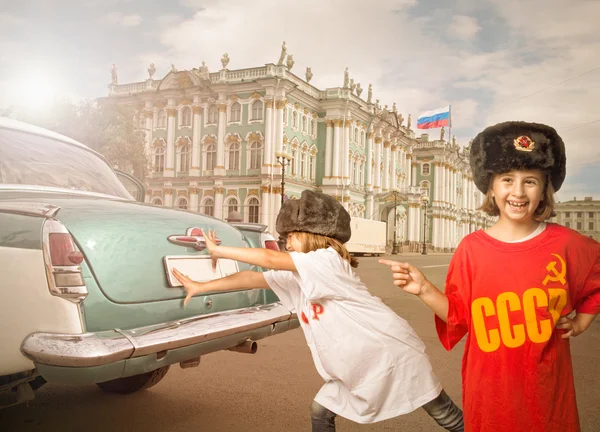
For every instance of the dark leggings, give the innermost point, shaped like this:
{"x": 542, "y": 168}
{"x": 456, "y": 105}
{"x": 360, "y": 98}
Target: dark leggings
{"x": 441, "y": 409}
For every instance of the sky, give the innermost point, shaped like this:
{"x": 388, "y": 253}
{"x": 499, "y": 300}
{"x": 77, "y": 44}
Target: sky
{"x": 491, "y": 60}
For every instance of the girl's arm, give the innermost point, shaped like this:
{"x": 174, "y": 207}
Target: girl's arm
{"x": 242, "y": 280}
{"x": 413, "y": 281}
{"x": 261, "y": 257}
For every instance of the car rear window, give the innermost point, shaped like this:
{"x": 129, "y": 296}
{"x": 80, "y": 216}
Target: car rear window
{"x": 35, "y": 160}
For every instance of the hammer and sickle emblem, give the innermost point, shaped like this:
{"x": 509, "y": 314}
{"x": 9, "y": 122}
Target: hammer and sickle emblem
{"x": 559, "y": 276}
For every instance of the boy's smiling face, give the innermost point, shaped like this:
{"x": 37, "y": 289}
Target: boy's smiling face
{"x": 518, "y": 194}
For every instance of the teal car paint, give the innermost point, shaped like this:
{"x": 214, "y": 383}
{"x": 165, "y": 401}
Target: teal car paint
{"x": 85, "y": 296}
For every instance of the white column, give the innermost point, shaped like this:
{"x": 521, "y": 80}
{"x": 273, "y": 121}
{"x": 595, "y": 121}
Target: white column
{"x": 386, "y": 165}
{"x": 275, "y": 205}
{"x": 370, "y": 203}
{"x": 328, "y": 147}
{"x": 193, "y": 194}
{"x": 221, "y": 126}
{"x": 394, "y": 163}
{"x": 377, "y": 186}
{"x": 268, "y": 150}
{"x": 437, "y": 182}
{"x": 264, "y": 206}
{"x": 337, "y": 151}
{"x": 170, "y": 160}
{"x": 344, "y": 160}
{"x": 219, "y": 190}
{"x": 435, "y": 234}
{"x": 413, "y": 175}
{"x": 168, "y": 189}
{"x": 196, "y": 135}
{"x": 369, "y": 167}
{"x": 278, "y": 124}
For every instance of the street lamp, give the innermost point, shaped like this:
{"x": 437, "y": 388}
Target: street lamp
{"x": 395, "y": 248}
{"x": 284, "y": 160}
{"x": 425, "y": 202}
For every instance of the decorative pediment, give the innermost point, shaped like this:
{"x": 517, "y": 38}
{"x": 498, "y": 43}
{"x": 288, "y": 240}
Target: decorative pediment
{"x": 179, "y": 80}
{"x": 254, "y": 137}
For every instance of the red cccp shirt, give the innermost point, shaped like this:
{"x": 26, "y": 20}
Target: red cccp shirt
{"x": 516, "y": 371}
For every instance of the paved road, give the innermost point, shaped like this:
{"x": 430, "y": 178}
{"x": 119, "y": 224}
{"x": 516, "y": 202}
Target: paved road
{"x": 272, "y": 390}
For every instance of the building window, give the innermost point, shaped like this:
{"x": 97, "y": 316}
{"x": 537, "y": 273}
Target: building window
{"x": 425, "y": 170}
{"x": 213, "y": 114}
{"x": 578, "y": 225}
{"x": 186, "y": 116}
{"x": 257, "y": 110}
{"x": 234, "y": 156}
{"x": 311, "y": 167}
{"x": 253, "y": 210}
{"x": 568, "y": 224}
{"x": 285, "y": 115}
{"x": 209, "y": 207}
{"x": 567, "y": 214}
{"x": 159, "y": 159}
{"x": 304, "y": 124}
{"x": 355, "y": 135}
{"x": 182, "y": 203}
{"x": 313, "y": 127}
{"x": 579, "y": 214}
{"x": 591, "y": 214}
{"x": 236, "y": 112}
{"x": 591, "y": 226}
{"x": 293, "y": 161}
{"x": 255, "y": 155}
{"x": 161, "y": 119}
{"x": 184, "y": 153}
{"x": 157, "y": 201}
{"x": 294, "y": 120}
{"x": 210, "y": 157}
{"x": 303, "y": 163}
{"x": 232, "y": 205}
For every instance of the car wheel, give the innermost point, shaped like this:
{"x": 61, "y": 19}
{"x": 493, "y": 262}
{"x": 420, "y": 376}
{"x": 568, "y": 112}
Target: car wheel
{"x": 134, "y": 383}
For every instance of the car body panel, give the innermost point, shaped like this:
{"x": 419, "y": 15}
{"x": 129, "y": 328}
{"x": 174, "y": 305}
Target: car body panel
{"x": 25, "y": 293}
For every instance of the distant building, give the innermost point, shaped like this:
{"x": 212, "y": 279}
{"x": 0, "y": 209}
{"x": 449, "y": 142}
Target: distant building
{"x": 215, "y": 139}
{"x": 581, "y": 215}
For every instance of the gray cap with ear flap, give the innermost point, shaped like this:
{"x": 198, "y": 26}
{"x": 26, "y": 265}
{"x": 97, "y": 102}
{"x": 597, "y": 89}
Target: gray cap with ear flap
{"x": 315, "y": 213}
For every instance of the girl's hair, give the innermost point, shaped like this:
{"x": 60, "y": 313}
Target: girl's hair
{"x": 312, "y": 242}
{"x": 544, "y": 210}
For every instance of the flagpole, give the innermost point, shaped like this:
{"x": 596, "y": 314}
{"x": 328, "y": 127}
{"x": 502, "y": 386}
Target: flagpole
{"x": 450, "y": 123}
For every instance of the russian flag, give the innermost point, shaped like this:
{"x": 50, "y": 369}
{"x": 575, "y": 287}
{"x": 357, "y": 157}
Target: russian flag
{"x": 434, "y": 119}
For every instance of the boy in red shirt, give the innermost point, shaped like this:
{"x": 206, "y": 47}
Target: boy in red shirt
{"x": 519, "y": 290}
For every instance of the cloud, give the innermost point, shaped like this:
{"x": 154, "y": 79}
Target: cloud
{"x": 8, "y": 20}
{"x": 463, "y": 27}
{"x": 131, "y": 20}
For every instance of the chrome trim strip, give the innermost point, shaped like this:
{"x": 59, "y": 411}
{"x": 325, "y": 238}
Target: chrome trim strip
{"x": 35, "y": 188}
{"x": 29, "y": 209}
{"x": 97, "y": 349}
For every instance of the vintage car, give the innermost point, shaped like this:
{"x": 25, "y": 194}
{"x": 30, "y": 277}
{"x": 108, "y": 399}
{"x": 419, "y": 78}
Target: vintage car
{"x": 86, "y": 290}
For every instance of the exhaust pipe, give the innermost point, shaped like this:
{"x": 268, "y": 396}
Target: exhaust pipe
{"x": 247, "y": 347}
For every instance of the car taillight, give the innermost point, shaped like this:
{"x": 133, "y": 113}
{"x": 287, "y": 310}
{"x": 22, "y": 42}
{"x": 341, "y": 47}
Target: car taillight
{"x": 271, "y": 244}
{"x": 63, "y": 251}
{"x": 62, "y": 259}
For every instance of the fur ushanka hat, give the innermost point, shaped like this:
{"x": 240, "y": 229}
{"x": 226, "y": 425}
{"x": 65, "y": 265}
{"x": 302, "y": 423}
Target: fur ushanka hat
{"x": 315, "y": 213}
{"x": 517, "y": 146}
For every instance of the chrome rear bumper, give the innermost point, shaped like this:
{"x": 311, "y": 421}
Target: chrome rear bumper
{"x": 97, "y": 349}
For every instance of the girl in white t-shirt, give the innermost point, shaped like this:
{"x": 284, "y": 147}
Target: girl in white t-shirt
{"x": 373, "y": 363}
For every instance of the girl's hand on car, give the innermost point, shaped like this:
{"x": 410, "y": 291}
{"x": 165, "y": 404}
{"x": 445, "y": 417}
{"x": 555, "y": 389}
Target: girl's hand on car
{"x": 192, "y": 288}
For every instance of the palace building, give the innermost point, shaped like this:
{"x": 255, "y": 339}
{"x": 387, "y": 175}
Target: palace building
{"x": 217, "y": 142}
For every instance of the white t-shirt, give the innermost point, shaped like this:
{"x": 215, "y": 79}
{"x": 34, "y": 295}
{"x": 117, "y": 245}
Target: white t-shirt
{"x": 373, "y": 362}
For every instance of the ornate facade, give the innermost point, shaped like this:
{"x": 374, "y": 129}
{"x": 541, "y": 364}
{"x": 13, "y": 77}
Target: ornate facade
{"x": 582, "y": 215}
{"x": 213, "y": 139}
